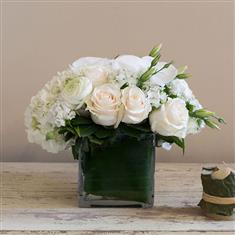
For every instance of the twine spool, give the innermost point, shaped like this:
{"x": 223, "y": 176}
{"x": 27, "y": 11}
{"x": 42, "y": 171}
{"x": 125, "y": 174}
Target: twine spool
{"x": 218, "y": 200}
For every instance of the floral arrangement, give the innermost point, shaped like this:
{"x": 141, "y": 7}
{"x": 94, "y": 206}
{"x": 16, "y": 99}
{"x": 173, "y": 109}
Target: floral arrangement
{"x": 97, "y": 98}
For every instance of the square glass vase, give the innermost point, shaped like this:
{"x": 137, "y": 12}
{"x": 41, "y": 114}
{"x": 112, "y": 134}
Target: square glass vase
{"x": 118, "y": 174}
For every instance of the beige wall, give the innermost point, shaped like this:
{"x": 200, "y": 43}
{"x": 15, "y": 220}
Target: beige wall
{"x": 40, "y": 39}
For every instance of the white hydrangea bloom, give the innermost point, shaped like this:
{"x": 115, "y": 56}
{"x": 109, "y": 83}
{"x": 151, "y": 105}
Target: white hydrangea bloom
{"x": 123, "y": 76}
{"x": 180, "y": 88}
{"x": 60, "y": 112}
{"x": 54, "y": 145}
{"x": 48, "y": 111}
{"x": 194, "y": 125}
{"x": 156, "y": 96}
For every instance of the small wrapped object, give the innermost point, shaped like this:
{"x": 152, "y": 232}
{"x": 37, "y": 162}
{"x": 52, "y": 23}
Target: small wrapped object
{"x": 218, "y": 198}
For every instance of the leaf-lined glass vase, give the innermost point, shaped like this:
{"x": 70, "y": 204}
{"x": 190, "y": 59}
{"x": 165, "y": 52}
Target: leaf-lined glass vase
{"x": 119, "y": 173}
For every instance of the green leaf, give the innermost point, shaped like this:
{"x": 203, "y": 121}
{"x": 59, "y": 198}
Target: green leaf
{"x": 183, "y": 142}
{"x": 190, "y": 107}
{"x": 62, "y": 130}
{"x": 68, "y": 136}
{"x": 140, "y": 127}
{"x": 130, "y": 131}
{"x": 85, "y": 130}
{"x": 102, "y": 132}
{"x": 95, "y": 140}
{"x": 173, "y": 139}
{"x": 79, "y": 120}
{"x": 179, "y": 142}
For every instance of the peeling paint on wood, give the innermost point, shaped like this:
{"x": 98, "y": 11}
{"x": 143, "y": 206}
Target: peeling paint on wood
{"x": 41, "y": 198}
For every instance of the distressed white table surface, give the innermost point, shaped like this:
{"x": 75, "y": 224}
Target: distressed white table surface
{"x": 41, "y": 198}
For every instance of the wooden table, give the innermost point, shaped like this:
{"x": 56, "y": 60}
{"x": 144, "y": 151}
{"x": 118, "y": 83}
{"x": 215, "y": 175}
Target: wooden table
{"x": 41, "y": 198}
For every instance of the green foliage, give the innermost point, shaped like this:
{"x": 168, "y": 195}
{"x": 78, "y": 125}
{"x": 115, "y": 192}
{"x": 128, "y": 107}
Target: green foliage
{"x": 78, "y": 120}
{"x": 155, "y": 51}
{"x": 210, "y": 118}
{"x": 146, "y": 76}
{"x": 155, "y": 60}
{"x": 86, "y": 130}
{"x": 102, "y": 132}
{"x": 183, "y": 76}
{"x": 95, "y": 140}
{"x": 190, "y": 107}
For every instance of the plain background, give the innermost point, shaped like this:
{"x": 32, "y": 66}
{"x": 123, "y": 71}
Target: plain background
{"x": 41, "y": 38}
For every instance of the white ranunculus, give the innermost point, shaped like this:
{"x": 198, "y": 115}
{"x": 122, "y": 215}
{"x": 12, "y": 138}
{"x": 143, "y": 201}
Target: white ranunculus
{"x": 136, "y": 106}
{"x": 164, "y": 76}
{"x": 171, "y": 119}
{"x": 180, "y": 88}
{"x": 131, "y": 63}
{"x": 104, "y": 104}
{"x": 76, "y": 89}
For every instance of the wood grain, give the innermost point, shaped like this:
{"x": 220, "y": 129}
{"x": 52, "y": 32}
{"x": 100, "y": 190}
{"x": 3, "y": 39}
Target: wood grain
{"x": 41, "y": 198}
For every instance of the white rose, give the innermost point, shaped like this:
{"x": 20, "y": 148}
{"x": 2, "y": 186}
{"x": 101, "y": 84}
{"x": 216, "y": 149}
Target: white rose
{"x": 180, "y": 88}
{"x": 131, "y": 63}
{"x": 104, "y": 104}
{"x": 76, "y": 89}
{"x": 164, "y": 76}
{"x": 97, "y": 74}
{"x": 94, "y": 68}
{"x": 171, "y": 119}
{"x": 136, "y": 106}
{"x": 77, "y": 65}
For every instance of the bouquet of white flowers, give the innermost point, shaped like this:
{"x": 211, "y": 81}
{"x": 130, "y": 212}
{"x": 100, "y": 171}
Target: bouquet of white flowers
{"x": 112, "y": 113}
{"x": 96, "y": 98}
